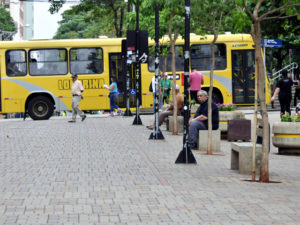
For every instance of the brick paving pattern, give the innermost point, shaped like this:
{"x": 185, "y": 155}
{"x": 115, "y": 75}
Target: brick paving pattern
{"x": 107, "y": 171}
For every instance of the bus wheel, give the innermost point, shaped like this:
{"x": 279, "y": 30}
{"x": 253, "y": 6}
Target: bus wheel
{"x": 40, "y": 108}
{"x": 216, "y": 98}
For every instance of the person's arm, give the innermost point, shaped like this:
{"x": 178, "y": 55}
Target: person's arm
{"x": 202, "y": 80}
{"x": 111, "y": 87}
{"x": 179, "y": 102}
{"x": 171, "y": 107}
{"x": 200, "y": 117}
{"x": 277, "y": 90}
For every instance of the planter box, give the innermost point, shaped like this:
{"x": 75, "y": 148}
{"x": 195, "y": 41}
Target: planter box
{"x": 286, "y": 136}
{"x": 224, "y": 116}
{"x": 239, "y": 129}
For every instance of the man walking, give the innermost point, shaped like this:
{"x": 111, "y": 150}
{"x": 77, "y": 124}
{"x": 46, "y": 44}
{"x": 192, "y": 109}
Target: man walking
{"x": 77, "y": 90}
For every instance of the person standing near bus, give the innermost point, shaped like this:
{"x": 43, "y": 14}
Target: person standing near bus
{"x": 165, "y": 87}
{"x": 113, "y": 94}
{"x": 284, "y": 88}
{"x": 77, "y": 90}
{"x": 196, "y": 80}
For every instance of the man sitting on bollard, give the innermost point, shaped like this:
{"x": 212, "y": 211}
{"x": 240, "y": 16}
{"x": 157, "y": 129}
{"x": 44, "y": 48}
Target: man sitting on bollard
{"x": 169, "y": 112}
{"x": 200, "y": 120}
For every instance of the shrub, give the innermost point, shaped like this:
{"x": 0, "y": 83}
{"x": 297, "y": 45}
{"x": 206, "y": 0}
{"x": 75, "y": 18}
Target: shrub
{"x": 226, "y": 107}
{"x": 286, "y": 117}
{"x": 297, "y": 117}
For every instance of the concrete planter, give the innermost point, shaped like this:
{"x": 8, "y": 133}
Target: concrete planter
{"x": 286, "y": 136}
{"x": 224, "y": 116}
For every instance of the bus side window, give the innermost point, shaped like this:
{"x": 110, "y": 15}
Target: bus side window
{"x": 201, "y": 57}
{"x": 86, "y": 60}
{"x": 48, "y": 62}
{"x": 16, "y": 63}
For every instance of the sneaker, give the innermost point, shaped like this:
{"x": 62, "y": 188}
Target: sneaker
{"x": 83, "y": 118}
{"x": 71, "y": 121}
{"x": 120, "y": 112}
{"x": 110, "y": 115}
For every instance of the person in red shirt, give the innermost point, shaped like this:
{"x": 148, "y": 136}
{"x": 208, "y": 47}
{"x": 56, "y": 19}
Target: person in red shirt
{"x": 196, "y": 80}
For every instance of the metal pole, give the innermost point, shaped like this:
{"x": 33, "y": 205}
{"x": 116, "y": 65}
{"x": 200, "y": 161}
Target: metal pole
{"x": 137, "y": 119}
{"x": 186, "y": 155}
{"x": 127, "y": 69}
{"x": 156, "y": 133}
{"x": 255, "y": 124}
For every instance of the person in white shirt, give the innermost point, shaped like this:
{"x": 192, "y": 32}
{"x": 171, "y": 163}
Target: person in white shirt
{"x": 77, "y": 90}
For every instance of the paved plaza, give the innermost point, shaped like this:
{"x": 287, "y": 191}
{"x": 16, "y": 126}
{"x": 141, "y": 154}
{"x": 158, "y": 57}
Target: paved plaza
{"x": 107, "y": 171}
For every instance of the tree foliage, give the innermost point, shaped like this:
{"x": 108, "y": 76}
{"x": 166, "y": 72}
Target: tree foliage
{"x": 108, "y": 15}
{"x": 6, "y": 23}
{"x": 76, "y": 26}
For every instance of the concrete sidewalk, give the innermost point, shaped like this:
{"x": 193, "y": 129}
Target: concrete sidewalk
{"x": 107, "y": 171}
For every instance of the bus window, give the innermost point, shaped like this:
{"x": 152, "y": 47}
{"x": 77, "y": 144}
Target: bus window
{"x": 86, "y": 60}
{"x": 16, "y": 63}
{"x": 48, "y": 62}
{"x": 166, "y": 59}
{"x": 201, "y": 57}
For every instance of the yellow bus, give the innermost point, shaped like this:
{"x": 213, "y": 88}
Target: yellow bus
{"x": 234, "y": 71}
{"x": 36, "y": 75}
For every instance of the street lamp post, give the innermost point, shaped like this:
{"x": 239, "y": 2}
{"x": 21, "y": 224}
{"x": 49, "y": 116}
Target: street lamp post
{"x": 156, "y": 133}
{"x": 126, "y": 70}
{"x": 137, "y": 120}
{"x": 186, "y": 155}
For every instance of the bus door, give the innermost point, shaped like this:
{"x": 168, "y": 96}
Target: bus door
{"x": 116, "y": 69}
{"x": 243, "y": 76}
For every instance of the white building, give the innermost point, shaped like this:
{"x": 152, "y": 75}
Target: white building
{"x": 22, "y": 14}
{"x": 33, "y": 20}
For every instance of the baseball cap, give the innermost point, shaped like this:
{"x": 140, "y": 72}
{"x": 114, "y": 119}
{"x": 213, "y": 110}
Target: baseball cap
{"x": 177, "y": 87}
{"x": 74, "y": 75}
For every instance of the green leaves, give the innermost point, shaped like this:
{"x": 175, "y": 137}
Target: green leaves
{"x": 6, "y": 21}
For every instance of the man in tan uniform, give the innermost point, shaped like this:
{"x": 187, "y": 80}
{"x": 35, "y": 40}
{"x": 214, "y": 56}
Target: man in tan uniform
{"x": 77, "y": 90}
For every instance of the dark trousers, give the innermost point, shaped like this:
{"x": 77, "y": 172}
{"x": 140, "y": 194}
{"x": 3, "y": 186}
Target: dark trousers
{"x": 194, "y": 95}
{"x": 113, "y": 102}
{"x": 285, "y": 104}
{"x": 194, "y": 131}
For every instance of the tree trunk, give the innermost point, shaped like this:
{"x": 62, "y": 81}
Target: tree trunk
{"x": 211, "y": 79}
{"x": 175, "y": 125}
{"x": 264, "y": 169}
{"x": 172, "y": 40}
